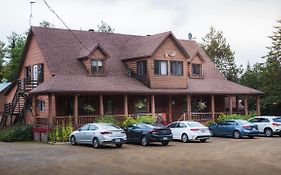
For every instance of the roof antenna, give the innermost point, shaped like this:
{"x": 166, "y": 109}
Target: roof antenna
{"x": 190, "y": 37}
{"x": 31, "y": 2}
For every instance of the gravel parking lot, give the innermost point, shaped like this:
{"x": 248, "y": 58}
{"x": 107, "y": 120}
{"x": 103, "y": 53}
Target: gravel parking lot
{"x": 217, "y": 156}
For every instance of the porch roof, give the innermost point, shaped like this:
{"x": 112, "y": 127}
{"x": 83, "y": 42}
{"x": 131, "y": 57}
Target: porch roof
{"x": 127, "y": 85}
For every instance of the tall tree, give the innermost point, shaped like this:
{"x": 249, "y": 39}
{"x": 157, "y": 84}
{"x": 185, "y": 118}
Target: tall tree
{"x": 272, "y": 74}
{"x": 216, "y": 47}
{"x": 2, "y": 55}
{"x": 267, "y": 76}
{"x": 105, "y": 28}
{"x": 14, "y": 49}
{"x": 46, "y": 24}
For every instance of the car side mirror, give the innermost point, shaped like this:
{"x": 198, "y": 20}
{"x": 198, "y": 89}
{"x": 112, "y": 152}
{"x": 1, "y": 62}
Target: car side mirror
{"x": 79, "y": 129}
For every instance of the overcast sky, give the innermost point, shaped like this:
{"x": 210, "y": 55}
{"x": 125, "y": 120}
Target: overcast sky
{"x": 245, "y": 23}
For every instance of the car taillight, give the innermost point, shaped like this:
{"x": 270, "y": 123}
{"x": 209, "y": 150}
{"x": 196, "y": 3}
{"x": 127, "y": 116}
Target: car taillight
{"x": 153, "y": 132}
{"x": 247, "y": 127}
{"x": 276, "y": 124}
{"x": 194, "y": 129}
{"x": 106, "y": 132}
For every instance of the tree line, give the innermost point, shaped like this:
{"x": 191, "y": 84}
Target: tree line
{"x": 262, "y": 76}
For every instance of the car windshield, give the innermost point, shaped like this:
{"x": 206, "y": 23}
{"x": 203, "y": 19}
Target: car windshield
{"x": 109, "y": 126}
{"x": 277, "y": 119}
{"x": 194, "y": 124}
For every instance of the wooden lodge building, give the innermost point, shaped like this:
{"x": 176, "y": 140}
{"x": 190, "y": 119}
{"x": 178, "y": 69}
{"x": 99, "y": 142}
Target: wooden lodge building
{"x": 85, "y": 74}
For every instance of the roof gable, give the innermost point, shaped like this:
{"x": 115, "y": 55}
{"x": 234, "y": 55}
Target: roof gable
{"x": 86, "y": 53}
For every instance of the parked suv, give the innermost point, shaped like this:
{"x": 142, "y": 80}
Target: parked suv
{"x": 268, "y": 125}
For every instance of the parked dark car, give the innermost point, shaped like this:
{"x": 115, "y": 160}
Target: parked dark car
{"x": 147, "y": 133}
{"x": 234, "y": 128}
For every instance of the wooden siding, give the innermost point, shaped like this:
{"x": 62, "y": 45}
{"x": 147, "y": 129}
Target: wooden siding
{"x": 34, "y": 56}
{"x": 168, "y": 81}
{"x": 96, "y": 55}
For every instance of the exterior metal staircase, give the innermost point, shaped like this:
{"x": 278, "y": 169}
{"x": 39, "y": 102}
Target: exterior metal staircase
{"x": 22, "y": 101}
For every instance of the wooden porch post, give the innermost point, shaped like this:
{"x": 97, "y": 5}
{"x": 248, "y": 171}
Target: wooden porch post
{"x": 76, "y": 124}
{"x": 258, "y": 110}
{"x": 188, "y": 107}
{"x": 50, "y": 113}
{"x": 126, "y": 105}
{"x": 246, "y": 105}
{"x": 152, "y": 105}
{"x": 101, "y": 104}
{"x": 230, "y": 104}
{"x": 170, "y": 108}
{"x": 34, "y": 106}
{"x": 147, "y": 104}
{"x": 237, "y": 103}
{"x": 213, "y": 106}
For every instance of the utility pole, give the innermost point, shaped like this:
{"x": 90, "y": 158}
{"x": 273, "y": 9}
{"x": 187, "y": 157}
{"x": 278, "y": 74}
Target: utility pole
{"x": 31, "y": 2}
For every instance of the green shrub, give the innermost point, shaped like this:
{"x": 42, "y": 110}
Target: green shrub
{"x": 234, "y": 116}
{"x": 129, "y": 121}
{"x": 17, "y": 133}
{"x": 141, "y": 119}
{"x": 146, "y": 119}
{"x": 107, "y": 119}
{"x": 60, "y": 133}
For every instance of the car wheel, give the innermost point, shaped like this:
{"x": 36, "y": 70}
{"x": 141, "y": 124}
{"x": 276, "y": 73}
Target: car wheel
{"x": 268, "y": 132}
{"x": 251, "y": 137}
{"x": 96, "y": 143}
{"x": 73, "y": 140}
{"x": 236, "y": 134}
{"x": 165, "y": 143}
{"x": 184, "y": 138}
{"x": 144, "y": 141}
{"x": 119, "y": 145}
{"x": 203, "y": 140}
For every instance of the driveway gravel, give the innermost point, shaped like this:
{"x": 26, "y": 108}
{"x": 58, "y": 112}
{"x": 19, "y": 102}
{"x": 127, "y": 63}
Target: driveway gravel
{"x": 217, "y": 156}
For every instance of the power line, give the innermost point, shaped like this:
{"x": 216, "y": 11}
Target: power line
{"x": 74, "y": 35}
{"x": 66, "y": 26}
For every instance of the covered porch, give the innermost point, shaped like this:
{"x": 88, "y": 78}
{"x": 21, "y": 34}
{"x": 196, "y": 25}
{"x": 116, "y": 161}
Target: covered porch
{"x": 59, "y": 109}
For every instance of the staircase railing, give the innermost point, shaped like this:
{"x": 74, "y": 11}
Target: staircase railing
{"x": 23, "y": 88}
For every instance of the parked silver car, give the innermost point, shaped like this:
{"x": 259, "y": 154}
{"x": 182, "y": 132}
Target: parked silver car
{"x": 98, "y": 134}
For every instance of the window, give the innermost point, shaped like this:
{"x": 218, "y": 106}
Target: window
{"x": 196, "y": 70}
{"x": 92, "y": 127}
{"x": 141, "y": 68}
{"x": 97, "y": 66}
{"x": 40, "y": 73}
{"x": 84, "y": 128}
{"x": 177, "y": 68}
{"x": 109, "y": 107}
{"x": 35, "y": 72}
{"x": 160, "y": 67}
{"x": 41, "y": 105}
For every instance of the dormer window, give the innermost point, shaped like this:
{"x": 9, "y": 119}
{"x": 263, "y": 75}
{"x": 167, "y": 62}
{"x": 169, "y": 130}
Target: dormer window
{"x": 141, "y": 68}
{"x": 160, "y": 67}
{"x": 97, "y": 66}
{"x": 197, "y": 70}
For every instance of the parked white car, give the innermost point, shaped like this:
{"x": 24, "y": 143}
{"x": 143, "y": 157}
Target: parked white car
{"x": 98, "y": 134}
{"x": 268, "y": 125}
{"x": 189, "y": 130}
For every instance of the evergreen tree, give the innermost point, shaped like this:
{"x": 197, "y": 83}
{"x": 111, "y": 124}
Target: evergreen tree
{"x": 46, "y": 24}
{"x": 105, "y": 28}
{"x": 2, "y": 56}
{"x": 216, "y": 47}
{"x": 14, "y": 51}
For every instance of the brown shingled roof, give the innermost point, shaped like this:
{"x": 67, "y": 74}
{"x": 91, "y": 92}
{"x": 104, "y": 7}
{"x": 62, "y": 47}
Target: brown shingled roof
{"x": 61, "y": 50}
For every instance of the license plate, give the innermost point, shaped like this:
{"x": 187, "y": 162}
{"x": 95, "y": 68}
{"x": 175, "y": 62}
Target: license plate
{"x": 165, "y": 138}
{"x": 117, "y": 140}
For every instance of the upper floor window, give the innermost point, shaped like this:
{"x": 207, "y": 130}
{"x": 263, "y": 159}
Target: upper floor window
{"x": 97, "y": 66}
{"x": 177, "y": 68}
{"x": 141, "y": 68}
{"x": 197, "y": 70}
{"x": 35, "y": 72}
{"x": 160, "y": 67}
